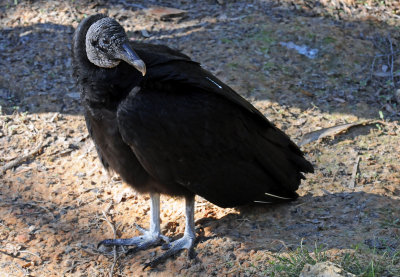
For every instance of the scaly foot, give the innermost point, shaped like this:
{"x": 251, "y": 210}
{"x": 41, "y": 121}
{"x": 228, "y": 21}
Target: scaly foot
{"x": 147, "y": 240}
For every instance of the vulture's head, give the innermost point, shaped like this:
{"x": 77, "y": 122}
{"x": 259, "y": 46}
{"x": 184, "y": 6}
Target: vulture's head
{"x": 107, "y": 44}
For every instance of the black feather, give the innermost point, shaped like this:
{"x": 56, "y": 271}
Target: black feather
{"x": 180, "y": 131}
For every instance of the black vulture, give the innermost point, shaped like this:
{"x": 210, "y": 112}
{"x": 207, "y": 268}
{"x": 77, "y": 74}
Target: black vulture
{"x": 167, "y": 126}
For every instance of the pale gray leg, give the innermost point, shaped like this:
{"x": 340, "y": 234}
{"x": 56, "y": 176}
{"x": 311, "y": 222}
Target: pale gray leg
{"x": 150, "y": 237}
{"x": 186, "y": 242}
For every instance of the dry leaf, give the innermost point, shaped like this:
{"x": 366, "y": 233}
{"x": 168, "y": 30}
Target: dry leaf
{"x": 331, "y": 131}
{"x": 306, "y": 92}
{"x": 28, "y": 264}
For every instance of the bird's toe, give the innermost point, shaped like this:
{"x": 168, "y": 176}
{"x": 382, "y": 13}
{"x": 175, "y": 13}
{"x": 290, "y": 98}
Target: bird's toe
{"x": 147, "y": 240}
{"x": 186, "y": 242}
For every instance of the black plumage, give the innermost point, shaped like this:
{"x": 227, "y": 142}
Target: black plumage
{"x": 168, "y": 126}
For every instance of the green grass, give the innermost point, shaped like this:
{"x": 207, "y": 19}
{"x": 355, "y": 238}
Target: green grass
{"x": 311, "y": 36}
{"x": 361, "y": 261}
{"x": 391, "y": 218}
{"x": 268, "y": 66}
{"x": 292, "y": 264}
{"x": 265, "y": 40}
{"x": 265, "y": 36}
{"x": 233, "y": 65}
{"x": 328, "y": 40}
{"x": 226, "y": 40}
{"x": 367, "y": 262}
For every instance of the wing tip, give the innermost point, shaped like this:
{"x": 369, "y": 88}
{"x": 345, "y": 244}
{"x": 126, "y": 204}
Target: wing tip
{"x": 278, "y": 197}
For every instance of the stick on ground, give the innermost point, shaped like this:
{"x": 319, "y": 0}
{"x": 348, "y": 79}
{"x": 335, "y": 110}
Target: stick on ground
{"x": 114, "y": 247}
{"x": 21, "y": 159}
{"x": 354, "y": 173}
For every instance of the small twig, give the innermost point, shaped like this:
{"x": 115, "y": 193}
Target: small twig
{"x": 234, "y": 270}
{"x": 382, "y": 55}
{"x": 202, "y": 204}
{"x": 326, "y": 192}
{"x": 92, "y": 250}
{"x": 391, "y": 59}
{"x": 109, "y": 223}
{"x": 73, "y": 266}
{"x": 21, "y": 159}
{"x": 301, "y": 204}
{"x": 13, "y": 256}
{"x": 114, "y": 247}
{"x": 61, "y": 151}
{"x": 377, "y": 41}
{"x": 282, "y": 242}
{"x": 108, "y": 208}
{"x": 5, "y": 202}
{"x": 373, "y": 66}
{"x": 56, "y": 114}
{"x": 31, "y": 253}
{"x": 354, "y": 173}
{"x": 392, "y": 14}
{"x": 7, "y": 159}
{"x": 385, "y": 46}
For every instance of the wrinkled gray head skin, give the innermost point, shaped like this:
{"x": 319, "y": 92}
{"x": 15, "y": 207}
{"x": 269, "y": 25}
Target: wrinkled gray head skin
{"x": 107, "y": 44}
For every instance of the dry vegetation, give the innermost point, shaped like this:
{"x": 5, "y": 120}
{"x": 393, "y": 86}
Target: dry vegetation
{"x": 54, "y": 195}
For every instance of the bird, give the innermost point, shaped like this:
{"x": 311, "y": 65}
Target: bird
{"x": 168, "y": 126}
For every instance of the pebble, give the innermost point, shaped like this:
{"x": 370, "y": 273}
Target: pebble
{"x": 325, "y": 269}
{"x": 23, "y": 238}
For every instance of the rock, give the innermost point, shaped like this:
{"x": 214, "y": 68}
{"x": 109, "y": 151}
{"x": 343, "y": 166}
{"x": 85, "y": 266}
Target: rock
{"x": 397, "y": 95}
{"x": 325, "y": 269}
{"x": 74, "y": 95}
{"x": 23, "y": 238}
{"x": 301, "y": 49}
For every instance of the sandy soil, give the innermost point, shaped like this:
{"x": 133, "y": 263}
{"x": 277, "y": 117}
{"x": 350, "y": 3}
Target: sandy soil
{"x": 54, "y": 196}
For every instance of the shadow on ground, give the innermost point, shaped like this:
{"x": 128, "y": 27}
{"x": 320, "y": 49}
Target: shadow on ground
{"x": 244, "y": 51}
{"x": 337, "y": 221}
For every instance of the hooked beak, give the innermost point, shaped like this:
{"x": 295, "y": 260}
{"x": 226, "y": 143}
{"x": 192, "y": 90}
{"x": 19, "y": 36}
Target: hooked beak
{"x": 128, "y": 55}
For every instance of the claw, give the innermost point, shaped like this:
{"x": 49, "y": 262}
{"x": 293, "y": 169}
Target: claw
{"x": 140, "y": 228}
{"x": 144, "y": 232}
{"x": 186, "y": 242}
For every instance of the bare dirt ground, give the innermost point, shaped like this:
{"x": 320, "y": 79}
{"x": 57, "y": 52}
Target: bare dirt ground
{"x": 54, "y": 193}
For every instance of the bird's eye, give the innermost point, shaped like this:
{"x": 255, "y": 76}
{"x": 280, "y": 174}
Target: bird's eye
{"x": 94, "y": 42}
{"x": 105, "y": 41}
